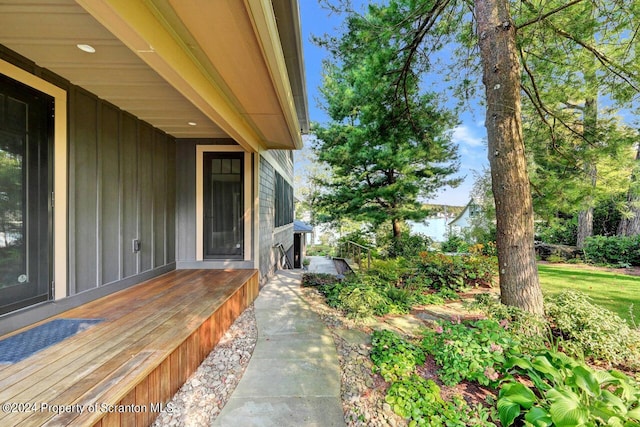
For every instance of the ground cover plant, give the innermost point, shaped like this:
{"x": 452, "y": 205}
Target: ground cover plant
{"x": 413, "y": 397}
{"x": 541, "y": 371}
{"x": 591, "y": 330}
{"x": 619, "y": 293}
{"x": 475, "y": 351}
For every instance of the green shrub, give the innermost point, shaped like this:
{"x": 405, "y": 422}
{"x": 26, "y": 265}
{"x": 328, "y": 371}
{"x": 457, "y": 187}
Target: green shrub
{"x": 456, "y": 272}
{"x": 475, "y": 352}
{"x": 592, "y": 330}
{"x": 559, "y": 232}
{"x": 388, "y": 271}
{"x": 454, "y": 243}
{"x": 428, "y": 299}
{"x": 319, "y": 250}
{"x": 318, "y": 279}
{"x": 402, "y": 299}
{"x": 408, "y": 245}
{"x": 613, "y": 250}
{"x": 566, "y": 393}
{"x": 361, "y": 301}
{"x": 393, "y": 356}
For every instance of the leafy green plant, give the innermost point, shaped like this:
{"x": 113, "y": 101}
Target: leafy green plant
{"x": 448, "y": 294}
{"x": 592, "y": 330}
{"x": 420, "y": 401}
{"x": 533, "y": 330}
{"x": 401, "y": 299}
{"x": 408, "y": 245}
{"x": 318, "y": 279}
{"x": 362, "y": 301}
{"x": 567, "y": 393}
{"x": 477, "y": 351}
{"x": 428, "y": 299}
{"x": 393, "y": 356}
{"x": 454, "y": 243}
{"x": 456, "y": 272}
{"x": 613, "y": 250}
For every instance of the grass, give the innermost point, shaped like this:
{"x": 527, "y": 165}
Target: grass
{"x": 616, "y": 292}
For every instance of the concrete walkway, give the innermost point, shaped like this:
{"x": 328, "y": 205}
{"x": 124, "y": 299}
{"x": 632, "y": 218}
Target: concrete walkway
{"x": 293, "y": 378}
{"x": 320, "y": 264}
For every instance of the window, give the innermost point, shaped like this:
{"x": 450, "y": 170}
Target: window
{"x": 283, "y": 202}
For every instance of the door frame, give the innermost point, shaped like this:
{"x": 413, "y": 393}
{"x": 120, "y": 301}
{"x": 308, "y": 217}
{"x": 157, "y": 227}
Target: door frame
{"x": 59, "y": 255}
{"x": 247, "y": 202}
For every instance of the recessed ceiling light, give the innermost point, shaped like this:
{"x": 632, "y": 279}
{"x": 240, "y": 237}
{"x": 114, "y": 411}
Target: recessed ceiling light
{"x": 192, "y": 123}
{"x": 86, "y": 48}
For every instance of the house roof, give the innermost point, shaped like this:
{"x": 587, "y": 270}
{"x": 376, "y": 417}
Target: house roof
{"x": 233, "y": 67}
{"x": 461, "y": 214}
{"x": 301, "y": 227}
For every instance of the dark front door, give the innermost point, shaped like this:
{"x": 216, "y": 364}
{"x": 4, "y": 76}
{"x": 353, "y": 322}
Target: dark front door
{"x": 25, "y": 137}
{"x": 297, "y": 250}
{"x": 223, "y": 205}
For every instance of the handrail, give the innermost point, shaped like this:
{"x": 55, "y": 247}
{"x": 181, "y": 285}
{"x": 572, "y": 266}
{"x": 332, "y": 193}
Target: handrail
{"x": 359, "y": 248}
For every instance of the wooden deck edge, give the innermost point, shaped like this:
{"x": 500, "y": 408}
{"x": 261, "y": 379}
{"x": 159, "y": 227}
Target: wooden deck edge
{"x": 140, "y": 390}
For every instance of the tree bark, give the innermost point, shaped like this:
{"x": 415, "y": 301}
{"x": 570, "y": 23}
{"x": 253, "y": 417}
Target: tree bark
{"x": 590, "y": 122}
{"x": 630, "y": 226}
{"x": 518, "y": 272}
{"x": 585, "y": 216}
{"x": 397, "y": 231}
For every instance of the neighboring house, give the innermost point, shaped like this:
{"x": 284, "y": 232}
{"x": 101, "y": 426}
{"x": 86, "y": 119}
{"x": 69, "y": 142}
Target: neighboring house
{"x": 460, "y": 224}
{"x": 302, "y": 236}
{"x": 138, "y": 137}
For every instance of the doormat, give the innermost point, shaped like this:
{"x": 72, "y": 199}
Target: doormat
{"x": 20, "y": 346}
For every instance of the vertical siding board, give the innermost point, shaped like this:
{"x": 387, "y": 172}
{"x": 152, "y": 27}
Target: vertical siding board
{"x": 159, "y": 187}
{"x": 145, "y": 197}
{"x": 109, "y": 195}
{"x": 171, "y": 201}
{"x": 84, "y": 193}
{"x": 129, "y": 184}
{"x": 185, "y": 200}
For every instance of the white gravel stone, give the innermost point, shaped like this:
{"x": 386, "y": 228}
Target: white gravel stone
{"x": 201, "y": 398}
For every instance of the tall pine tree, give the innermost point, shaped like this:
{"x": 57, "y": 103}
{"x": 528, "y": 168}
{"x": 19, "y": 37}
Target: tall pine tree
{"x": 385, "y": 151}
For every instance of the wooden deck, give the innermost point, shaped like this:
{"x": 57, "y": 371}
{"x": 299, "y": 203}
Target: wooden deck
{"x": 120, "y": 372}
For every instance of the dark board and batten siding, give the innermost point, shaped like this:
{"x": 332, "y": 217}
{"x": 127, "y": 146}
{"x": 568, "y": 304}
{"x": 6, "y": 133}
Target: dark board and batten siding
{"x": 121, "y": 188}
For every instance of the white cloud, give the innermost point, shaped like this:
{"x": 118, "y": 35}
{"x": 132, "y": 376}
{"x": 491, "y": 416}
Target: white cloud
{"x": 465, "y": 137}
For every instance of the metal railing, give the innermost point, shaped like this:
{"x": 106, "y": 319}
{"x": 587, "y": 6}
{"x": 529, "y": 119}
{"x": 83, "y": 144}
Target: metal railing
{"x": 354, "y": 251}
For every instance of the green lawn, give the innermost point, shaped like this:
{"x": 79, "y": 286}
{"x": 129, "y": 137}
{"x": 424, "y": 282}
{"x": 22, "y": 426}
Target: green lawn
{"x": 615, "y": 292}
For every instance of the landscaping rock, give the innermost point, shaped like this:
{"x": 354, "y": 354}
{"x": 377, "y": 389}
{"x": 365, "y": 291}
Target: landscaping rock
{"x": 545, "y": 250}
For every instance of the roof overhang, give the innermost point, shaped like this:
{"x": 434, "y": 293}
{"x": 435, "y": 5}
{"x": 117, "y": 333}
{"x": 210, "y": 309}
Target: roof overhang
{"x": 235, "y": 66}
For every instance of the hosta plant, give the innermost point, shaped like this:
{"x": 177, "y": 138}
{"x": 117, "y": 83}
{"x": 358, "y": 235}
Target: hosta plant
{"x": 566, "y": 393}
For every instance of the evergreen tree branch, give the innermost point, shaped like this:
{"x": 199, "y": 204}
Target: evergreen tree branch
{"x": 542, "y": 17}
{"x": 625, "y": 75}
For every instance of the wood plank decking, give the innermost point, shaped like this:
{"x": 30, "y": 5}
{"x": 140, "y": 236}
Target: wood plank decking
{"x": 121, "y": 371}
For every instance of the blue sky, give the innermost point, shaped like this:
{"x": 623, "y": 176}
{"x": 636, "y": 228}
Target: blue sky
{"x": 470, "y": 135}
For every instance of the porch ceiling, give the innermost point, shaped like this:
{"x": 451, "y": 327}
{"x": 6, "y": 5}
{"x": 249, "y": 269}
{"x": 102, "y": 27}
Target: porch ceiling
{"x": 171, "y": 62}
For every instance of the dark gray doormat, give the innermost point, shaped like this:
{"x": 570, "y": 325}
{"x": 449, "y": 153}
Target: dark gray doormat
{"x": 24, "y": 344}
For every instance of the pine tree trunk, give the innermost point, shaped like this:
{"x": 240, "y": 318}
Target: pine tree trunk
{"x": 518, "y": 273}
{"x": 585, "y": 217}
{"x": 630, "y": 225}
{"x": 590, "y": 122}
{"x": 397, "y": 231}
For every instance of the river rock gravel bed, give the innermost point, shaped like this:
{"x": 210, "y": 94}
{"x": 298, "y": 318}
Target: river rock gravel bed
{"x": 203, "y": 396}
